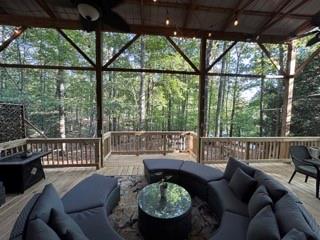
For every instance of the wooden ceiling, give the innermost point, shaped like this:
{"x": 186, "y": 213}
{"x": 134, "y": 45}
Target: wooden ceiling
{"x": 259, "y": 20}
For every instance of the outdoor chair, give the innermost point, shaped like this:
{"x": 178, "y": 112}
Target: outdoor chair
{"x": 305, "y": 164}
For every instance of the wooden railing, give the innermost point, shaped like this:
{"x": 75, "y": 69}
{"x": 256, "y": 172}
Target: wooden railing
{"x": 67, "y": 152}
{"x": 148, "y": 142}
{"x": 192, "y": 139}
{"x": 106, "y": 146}
{"x": 12, "y": 147}
{"x": 214, "y": 150}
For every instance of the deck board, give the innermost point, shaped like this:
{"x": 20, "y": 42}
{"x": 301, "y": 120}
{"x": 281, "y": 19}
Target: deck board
{"x": 65, "y": 178}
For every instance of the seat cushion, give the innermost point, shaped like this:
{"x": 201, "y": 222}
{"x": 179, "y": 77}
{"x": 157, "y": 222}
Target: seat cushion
{"x": 95, "y": 224}
{"x": 289, "y": 216}
{"x": 242, "y": 185}
{"x": 162, "y": 164}
{"x": 308, "y": 170}
{"x": 74, "y": 236}
{"x": 263, "y": 226}
{"x": 202, "y": 172}
{"x": 259, "y": 200}
{"x": 294, "y": 234}
{"x": 38, "y": 229}
{"x": 48, "y": 199}
{"x": 233, "y": 165}
{"x": 276, "y": 190}
{"x": 312, "y": 222}
{"x": 92, "y": 192}
{"x": 221, "y": 198}
{"x": 62, "y": 224}
{"x": 232, "y": 226}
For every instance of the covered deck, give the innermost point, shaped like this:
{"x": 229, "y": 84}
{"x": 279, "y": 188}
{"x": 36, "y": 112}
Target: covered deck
{"x": 122, "y": 165}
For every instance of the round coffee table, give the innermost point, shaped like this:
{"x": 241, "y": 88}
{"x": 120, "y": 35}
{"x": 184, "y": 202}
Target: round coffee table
{"x": 166, "y": 218}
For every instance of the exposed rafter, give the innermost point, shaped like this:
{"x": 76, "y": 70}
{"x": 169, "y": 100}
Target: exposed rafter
{"x": 176, "y": 47}
{"x": 221, "y": 56}
{"x": 306, "y": 25}
{"x": 142, "y": 12}
{"x": 125, "y": 47}
{"x": 187, "y": 14}
{"x": 46, "y": 8}
{"x": 300, "y": 69}
{"x": 53, "y": 67}
{"x": 15, "y": 34}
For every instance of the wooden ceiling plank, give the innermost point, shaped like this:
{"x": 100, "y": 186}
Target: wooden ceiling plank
{"x": 273, "y": 61}
{"x": 45, "y": 7}
{"x": 305, "y": 63}
{"x": 221, "y": 56}
{"x": 185, "y": 57}
{"x": 125, "y": 47}
{"x": 142, "y": 12}
{"x": 305, "y": 26}
{"x": 14, "y": 35}
{"x": 187, "y": 14}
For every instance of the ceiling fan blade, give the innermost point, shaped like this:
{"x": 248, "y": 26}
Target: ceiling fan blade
{"x": 314, "y": 40}
{"x": 114, "y": 20}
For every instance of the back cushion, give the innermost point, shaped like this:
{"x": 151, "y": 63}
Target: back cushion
{"x": 294, "y": 234}
{"x": 289, "y": 216}
{"x": 39, "y": 230}
{"x": 275, "y": 189}
{"x": 47, "y": 200}
{"x": 263, "y": 226}
{"x": 259, "y": 200}
{"x": 233, "y": 165}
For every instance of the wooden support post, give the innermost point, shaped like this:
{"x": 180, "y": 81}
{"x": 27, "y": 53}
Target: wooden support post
{"x": 288, "y": 90}
{"x": 99, "y": 82}
{"x": 201, "y": 97}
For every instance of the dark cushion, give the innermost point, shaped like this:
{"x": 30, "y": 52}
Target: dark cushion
{"x": 294, "y": 234}
{"x": 74, "y": 236}
{"x": 233, "y": 165}
{"x": 162, "y": 164}
{"x": 276, "y": 190}
{"x": 263, "y": 226}
{"x": 310, "y": 220}
{"x": 92, "y": 192}
{"x": 39, "y": 230}
{"x": 259, "y": 200}
{"x": 202, "y": 172}
{"x": 95, "y": 224}
{"x": 289, "y": 216}
{"x": 242, "y": 185}
{"x": 62, "y": 224}
{"x": 221, "y": 198}
{"x": 48, "y": 199}
{"x": 232, "y": 227}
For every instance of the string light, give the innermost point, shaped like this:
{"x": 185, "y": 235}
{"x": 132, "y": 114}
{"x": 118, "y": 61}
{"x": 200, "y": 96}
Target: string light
{"x": 167, "y": 21}
{"x": 154, "y": 1}
{"x": 236, "y": 22}
{"x": 209, "y": 34}
{"x": 175, "y": 33}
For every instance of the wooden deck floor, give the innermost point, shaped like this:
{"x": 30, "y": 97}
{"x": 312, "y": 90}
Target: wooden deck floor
{"x": 66, "y": 178}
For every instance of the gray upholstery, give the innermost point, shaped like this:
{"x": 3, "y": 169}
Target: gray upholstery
{"x": 221, "y": 198}
{"x": 233, "y": 165}
{"x": 263, "y": 226}
{"x": 310, "y": 220}
{"x": 242, "y": 185}
{"x": 95, "y": 224}
{"x": 96, "y": 189}
{"x": 308, "y": 170}
{"x": 39, "y": 230}
{"x": 294, "y": 234}
{"x": 201, "y": 172}
{"x": 232, "y": 227}
{"x": 62, "y": 223}
{"x": 259, "y": 200}
{"x": 289, "y": 216}
{"x": 47, "y": 200}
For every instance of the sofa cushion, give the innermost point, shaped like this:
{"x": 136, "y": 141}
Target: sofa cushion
{"x": 259, "y": 200}
{"x": 221, "y": 198}
{"x": 62, "y": 224}
{"x": 74, "y": 236}
{"x": 202, "y": 172}
{"x": 96, "y": 188}
{"x": 263, "y": 226}
{"x": 162, "y": 164}
{"x": 233, "y": 165}
{"x": 294, "y": 234}
{"x": 289, "y": 216}
{"x": 232, "y": 226}
{"x": 38, "y": 229}
{"x": 276, "y": 190}
{"x": 242, "y": 185}
{"x": 48, "y": 199}
{"x": 312, "y": 222}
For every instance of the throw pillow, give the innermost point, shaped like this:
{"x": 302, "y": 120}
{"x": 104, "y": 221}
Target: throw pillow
{"x": 233, "y": 165}
{"x": 259, "y": 200}
{"x": 242, "y": 185}
{"x": 263, "y": 226}
{"x": 63, "y": 224}
{"x": 38, "y": 229}
{"x": 294, "y": 234}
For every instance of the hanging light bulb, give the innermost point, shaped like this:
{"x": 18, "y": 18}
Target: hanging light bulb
{"x": 236, "y": 22}
{"x": 167, "y": 21}
{"x": 154, "y": 1}
{"x": 175, "y": 33}
{"x": 209, "y": 34}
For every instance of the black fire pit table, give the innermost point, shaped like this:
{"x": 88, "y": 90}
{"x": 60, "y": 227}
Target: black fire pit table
{"x": 19, "y": 172}
{"x": 164, "y": 216}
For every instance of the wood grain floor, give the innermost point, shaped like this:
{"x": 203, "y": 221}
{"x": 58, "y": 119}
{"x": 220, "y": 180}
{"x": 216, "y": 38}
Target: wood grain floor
{"x": 65, "y": 178}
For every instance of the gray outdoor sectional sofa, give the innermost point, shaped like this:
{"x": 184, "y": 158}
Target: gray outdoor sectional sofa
{"x": 249, "y": 204}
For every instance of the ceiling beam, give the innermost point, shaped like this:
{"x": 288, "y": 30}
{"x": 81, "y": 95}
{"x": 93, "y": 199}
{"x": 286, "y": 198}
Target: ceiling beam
{"x": 304, "y": 27}
{"x": 46, "y": 8}
{"x": 187, "y": 14}
{"x": 53, "y": 67}
{"x": 300, "y": 69}
{"x": 141, "y": 12}
{"x": 14, "y": 35}
{"x": 176, "y": 47}
{"x": 221, "y": 56}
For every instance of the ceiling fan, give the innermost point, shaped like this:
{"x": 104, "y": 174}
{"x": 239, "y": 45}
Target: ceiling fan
{"x": 315, "y": 22}
{"x": 94, "y": 12}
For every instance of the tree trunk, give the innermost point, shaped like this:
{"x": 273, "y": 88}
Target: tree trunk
{"x": 61, "y": 94}
{"x": 261, "y": 97}
{"x": 142, "y": 96}
{"x": 206, "y": 83}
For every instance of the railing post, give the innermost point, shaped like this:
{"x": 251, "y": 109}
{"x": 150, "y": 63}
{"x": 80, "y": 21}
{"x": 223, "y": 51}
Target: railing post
{"x": 164, "y": 144}
{"x": 201, "y": 149}
{"x": 247, "y": 150}
{"x": 97, "y": 153}
{"x": 102, "y": 150}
